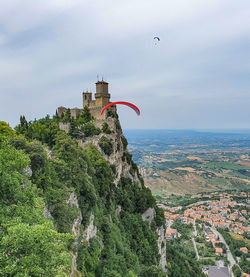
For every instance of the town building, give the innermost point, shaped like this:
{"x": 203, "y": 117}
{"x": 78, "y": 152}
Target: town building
{"x": 214, "y": 271}
{"x": 244, "y": 250}
{"x": 171, "y": 233}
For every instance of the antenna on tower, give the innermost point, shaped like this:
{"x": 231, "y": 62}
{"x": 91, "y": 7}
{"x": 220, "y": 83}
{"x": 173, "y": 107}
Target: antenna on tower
{"x": 97, "y": 78}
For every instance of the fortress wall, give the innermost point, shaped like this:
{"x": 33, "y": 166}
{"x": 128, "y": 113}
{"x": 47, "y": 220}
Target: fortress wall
{"x": 61, "y": 111}
{"x": 96, "y": 112}
{"x": 75, "y": 113}
{"x": 64, "y": 126}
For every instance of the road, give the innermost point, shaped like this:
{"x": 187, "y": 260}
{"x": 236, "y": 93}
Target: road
{"x": 194, "y": 231}
{"x": 229, "y": 253}
{"x": 195, "y": 248}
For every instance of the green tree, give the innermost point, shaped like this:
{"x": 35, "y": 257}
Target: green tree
{"x": 12, "y": 165}
{"x": 5, "y": 129}
{"x": 105, "y": 128}
{"x": 153, "y": 271}
{"x": 130, "y": 274}
{"x": 85, "y": 117}
{"x": 35, "y": 250}
{"x": 67, "y": 116}
{"x": 106, "y": 145}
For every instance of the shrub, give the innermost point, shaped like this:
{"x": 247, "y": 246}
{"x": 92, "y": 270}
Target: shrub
{"x": 89, "y": 130}
{"x": 127, "y": 157}
{"x": 118, "y": 125}
{"x": 236, "y": 271}
{"x": 153, "y": 271}
{"x": 113, "y": 168}
{"x": 124, "y": 143}
{"x": 112, "y": 114}
{"x": 105, "y": 128}
{"x": 85, "y": 117}
{"x": 106, "y": 145}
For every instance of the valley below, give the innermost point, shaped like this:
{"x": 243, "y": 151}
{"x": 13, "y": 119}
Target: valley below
{"x": 189, "y": 162}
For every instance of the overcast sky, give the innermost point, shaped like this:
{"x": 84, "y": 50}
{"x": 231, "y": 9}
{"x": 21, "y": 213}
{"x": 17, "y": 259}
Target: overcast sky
{"x": 197, "y": 76}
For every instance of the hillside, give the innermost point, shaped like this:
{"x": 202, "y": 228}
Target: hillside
{"x": 74, "y": 204}
{"x": 187, "y": 162}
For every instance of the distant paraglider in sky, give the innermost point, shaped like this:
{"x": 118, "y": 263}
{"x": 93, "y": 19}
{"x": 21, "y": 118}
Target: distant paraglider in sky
{"x": 156, "y": 39}
{"x": 132, "y": 106}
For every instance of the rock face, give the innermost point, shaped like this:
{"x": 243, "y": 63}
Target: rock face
{"x": 162, "y": 247}
{"x": 118, "y": 210}
{"x": 72, "y": 201}
{"x": 124, "y": 167}
{"x": 149, "y": 215}
{"x": 64, "y": 126}
{"x": 49, "y": 153}
{"x": 76, "y": 231}
{"x": 46, "y": 212}
{"x": 91, "y": 230}
{"x": 74, "y": 271}
{"x": 28, "y": 171}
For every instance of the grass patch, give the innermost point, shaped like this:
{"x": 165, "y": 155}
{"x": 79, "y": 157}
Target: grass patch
{"x": 239, "y": 237}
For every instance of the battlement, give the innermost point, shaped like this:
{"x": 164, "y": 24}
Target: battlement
{"x": 102, "y": 98}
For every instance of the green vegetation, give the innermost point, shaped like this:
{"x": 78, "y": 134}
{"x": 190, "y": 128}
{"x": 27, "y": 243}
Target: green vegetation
{"x": 203, "y": 262}
{"x": 106, "y": 145}
{"x": 105, "y": 128}
{"x": 184, "y": 229}
{"x": 89, "y": 130}
{"x": 186, "y": 161}
{"x": 29, "y": 244}
{"x": 206, "y": 249}
{"x": 225, "y": 165}
{"x": 124, "y": 143}
{"x": 40, "y": 166}
{"x": 184, "y": 246}
{"x": 235, "y": 246}
{"x": 112, "y": 114}
{"x": 236, "y": 271}
{"x": 118, "y": 125}
{"x": 181, "y": 265}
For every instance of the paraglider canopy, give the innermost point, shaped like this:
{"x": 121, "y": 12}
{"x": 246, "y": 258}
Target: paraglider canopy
{"x": 157, "y": 38}
{"x": 122, "y": 103}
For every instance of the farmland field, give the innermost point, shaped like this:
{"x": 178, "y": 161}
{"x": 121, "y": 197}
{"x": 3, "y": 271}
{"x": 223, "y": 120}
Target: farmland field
{"x": 187, "y": 162}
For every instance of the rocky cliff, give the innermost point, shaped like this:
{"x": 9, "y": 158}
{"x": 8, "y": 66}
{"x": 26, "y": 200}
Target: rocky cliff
{"x": 123, "y": 167}
{"x": 72, "y": 203}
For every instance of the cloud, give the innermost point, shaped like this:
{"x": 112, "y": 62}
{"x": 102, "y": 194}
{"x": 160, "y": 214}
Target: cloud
{"x": 51, "y": 50}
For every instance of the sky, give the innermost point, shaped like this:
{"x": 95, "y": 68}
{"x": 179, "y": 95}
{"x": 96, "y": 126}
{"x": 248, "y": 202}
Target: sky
{"x": 196, "y": 77}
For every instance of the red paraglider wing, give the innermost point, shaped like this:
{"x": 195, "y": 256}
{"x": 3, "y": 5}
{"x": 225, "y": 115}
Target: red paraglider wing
{"x": 122, "y": 103}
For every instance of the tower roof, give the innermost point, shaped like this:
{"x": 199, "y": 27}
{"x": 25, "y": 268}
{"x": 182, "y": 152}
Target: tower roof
{"x": 101, "y": 82}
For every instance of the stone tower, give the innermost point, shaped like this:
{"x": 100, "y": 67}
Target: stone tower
{"x": 102, "y": 95}
{"x": 87, "y": 98}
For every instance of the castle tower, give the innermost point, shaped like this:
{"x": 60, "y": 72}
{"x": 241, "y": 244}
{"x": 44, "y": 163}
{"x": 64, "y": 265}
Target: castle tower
{"x": 102, "y": 95}
{"x": 61, "y": 110}
{"x": 87, "y": 98}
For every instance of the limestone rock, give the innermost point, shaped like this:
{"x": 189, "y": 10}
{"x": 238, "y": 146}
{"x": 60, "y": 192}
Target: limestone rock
{"x": 149, "y": 215}
{"x": 91, "y": 230}
{"x": 162, "y": 247}
{"x": 46, "y": 212}
{"x": 28, "y": 171}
